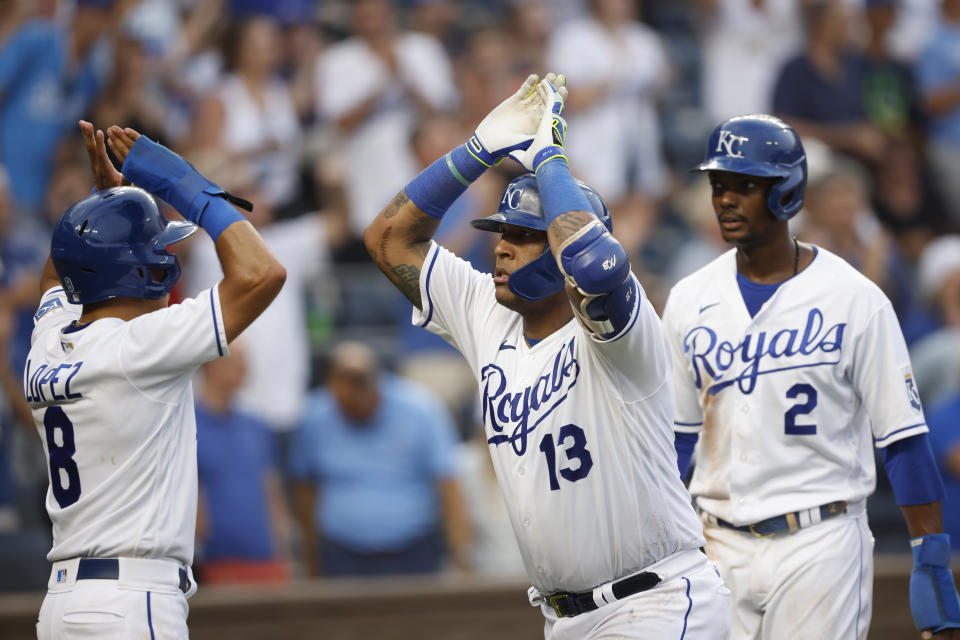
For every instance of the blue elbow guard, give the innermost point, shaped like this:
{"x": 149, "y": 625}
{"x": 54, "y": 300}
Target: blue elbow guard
{"x": 163, "y": 173}
{"x": 934, "y": 603}
{"x": 594, "y": 261}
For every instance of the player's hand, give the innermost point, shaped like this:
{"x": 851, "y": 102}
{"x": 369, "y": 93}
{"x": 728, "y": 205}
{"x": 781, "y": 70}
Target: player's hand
{"x": 511, "y": 125}
{"x": 551, "y": 128}
{"x": 121, "y": 141}
{"x": 105, "y": 175}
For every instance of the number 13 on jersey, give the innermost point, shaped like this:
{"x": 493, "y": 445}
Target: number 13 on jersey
{"x": 572, "y": 442}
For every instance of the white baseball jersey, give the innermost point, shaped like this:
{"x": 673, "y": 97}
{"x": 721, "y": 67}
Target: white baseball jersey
{"x": 580, "y": 431}
{"x": 113, "y": 403}
{"x": 789, "y": 401}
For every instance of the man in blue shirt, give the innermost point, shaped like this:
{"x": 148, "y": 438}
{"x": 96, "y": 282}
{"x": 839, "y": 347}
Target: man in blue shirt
{"x": 375, "y": 469}
{"x": 938, "y": 74}
{"x": 242, "y": 523}
{"x": 49, "y": 75}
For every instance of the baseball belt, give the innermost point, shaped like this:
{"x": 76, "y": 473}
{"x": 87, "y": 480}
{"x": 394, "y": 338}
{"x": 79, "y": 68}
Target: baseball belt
{"x": 787, "y": 522}
{"x": 109, "y": 569}
{"x": 567, "y": 605}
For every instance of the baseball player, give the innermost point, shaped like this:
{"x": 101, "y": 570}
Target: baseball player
{"x": 574, "y": 379}
{"x": 108, "y": 381}
{"x": 790, "y": 364}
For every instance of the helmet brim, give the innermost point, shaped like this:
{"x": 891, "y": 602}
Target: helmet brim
{"x": 175, "y": 231}
{"x": 496, "y": 221}
{"x": 743, "y": 166}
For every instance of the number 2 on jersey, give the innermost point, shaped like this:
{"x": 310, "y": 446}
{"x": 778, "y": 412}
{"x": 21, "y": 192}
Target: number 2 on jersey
{"x": 61, "y": 457}
{"x": 790, "y": 426}
{"x": 576, "y": 451}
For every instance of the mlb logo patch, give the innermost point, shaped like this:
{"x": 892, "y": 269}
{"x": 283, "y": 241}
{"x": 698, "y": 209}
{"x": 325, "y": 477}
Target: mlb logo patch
{"x": 61, "y": 575}
{"x": 913, "y": 394}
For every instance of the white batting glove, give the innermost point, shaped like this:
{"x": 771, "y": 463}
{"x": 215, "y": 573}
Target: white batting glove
{"x": 551, "y": 128}
{"x": 510, "y": 126}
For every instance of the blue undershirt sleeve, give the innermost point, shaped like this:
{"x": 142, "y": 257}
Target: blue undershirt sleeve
{"x": 684, "y": 444}
{"x": 913, "y": 471}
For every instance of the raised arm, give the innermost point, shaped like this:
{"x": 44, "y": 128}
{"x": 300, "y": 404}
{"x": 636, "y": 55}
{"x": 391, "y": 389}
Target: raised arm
{"x": 252, "y": 275}
{"x": 399, "y": 238}
{"x": 595, "y": 265}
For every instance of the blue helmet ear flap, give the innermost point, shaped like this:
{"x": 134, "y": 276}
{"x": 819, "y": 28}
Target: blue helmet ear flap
{"x": 786, "y": 196}
{"x": 540, "y": 278}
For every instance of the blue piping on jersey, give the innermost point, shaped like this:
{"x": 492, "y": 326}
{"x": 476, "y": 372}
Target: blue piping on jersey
{"x": 427, "y": 287}
{"x": 150, "y": 617}
{"x": 893, "y": 433}
{"x": 216, "y": 328}
{"x": 76, "y": 326}
{"x": 53, "y": 291}
{"x": 688, "y": 424}
{"x": 689, "y": 606}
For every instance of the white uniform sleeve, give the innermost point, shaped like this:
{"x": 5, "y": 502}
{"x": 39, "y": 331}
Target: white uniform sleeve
{"x": 688, "y": 416}
{"x": 884, "y": 380}
{"x": 638, "y": 352}
{"x": 54, "y": 311}
{"x": 173, "y": 341}
{"x": 457, "y": 301}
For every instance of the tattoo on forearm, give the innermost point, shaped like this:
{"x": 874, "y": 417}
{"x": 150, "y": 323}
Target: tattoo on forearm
{"x": 407, "y": 279}
{"x": 568, "y": 224}
{"x": 395, "y": 205}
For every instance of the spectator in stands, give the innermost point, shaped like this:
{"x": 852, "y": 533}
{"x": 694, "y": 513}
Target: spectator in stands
{"x": 529, "y": 23}
{"x": 753, "y": 37}
{"x": 375, "y": 458}
{"x": 23, "y": 247}
{"x": 242, "y": 523}
{"x": 837, "y": 217}
{"x": 132, "y": 97}
{"x": 23, "y": 544}
{"x": 938, "y": 74}
{"x": 943, "y": 420}
{"x": 820, "y": 91}
{"x": 616, "y": 68}
{"x": 935, "y": 356}
{"x": 251, "y": 115}
{"x": 370, "y": 87}
{"x": 277, "y": 342}
{"x": 49, "y": 75}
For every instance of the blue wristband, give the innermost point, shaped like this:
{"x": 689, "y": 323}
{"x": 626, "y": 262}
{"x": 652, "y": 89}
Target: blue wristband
{"x": 217, "y": 215}
{"x": 439, "y": 185}
{"x": 559, "y": 192}
{"x": 934, "y": 603}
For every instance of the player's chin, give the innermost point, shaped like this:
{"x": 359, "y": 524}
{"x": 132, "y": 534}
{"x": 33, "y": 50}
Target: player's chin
{"x": 507, "y": 298}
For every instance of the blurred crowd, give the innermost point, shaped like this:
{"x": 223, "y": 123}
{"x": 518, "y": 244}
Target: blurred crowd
{"x": 339, "y": 440}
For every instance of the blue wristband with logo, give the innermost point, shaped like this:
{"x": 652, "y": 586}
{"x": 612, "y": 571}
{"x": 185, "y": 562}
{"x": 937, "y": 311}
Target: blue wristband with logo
{"x": 439, "y": 185}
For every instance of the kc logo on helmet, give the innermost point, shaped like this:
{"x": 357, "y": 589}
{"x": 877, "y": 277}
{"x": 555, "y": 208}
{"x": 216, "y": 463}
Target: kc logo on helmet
{"x": 511, "y": 197}
{"x": 731, "y": 144}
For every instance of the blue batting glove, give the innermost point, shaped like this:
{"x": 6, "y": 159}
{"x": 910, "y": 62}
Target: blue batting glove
{"x": 934, "y": 603}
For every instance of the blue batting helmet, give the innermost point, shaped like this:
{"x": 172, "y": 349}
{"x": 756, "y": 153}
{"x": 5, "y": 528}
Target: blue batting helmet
{"x": 763, "y": 146}
{"x": 520, "y": 206}
{"x": 113, "y": 244}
